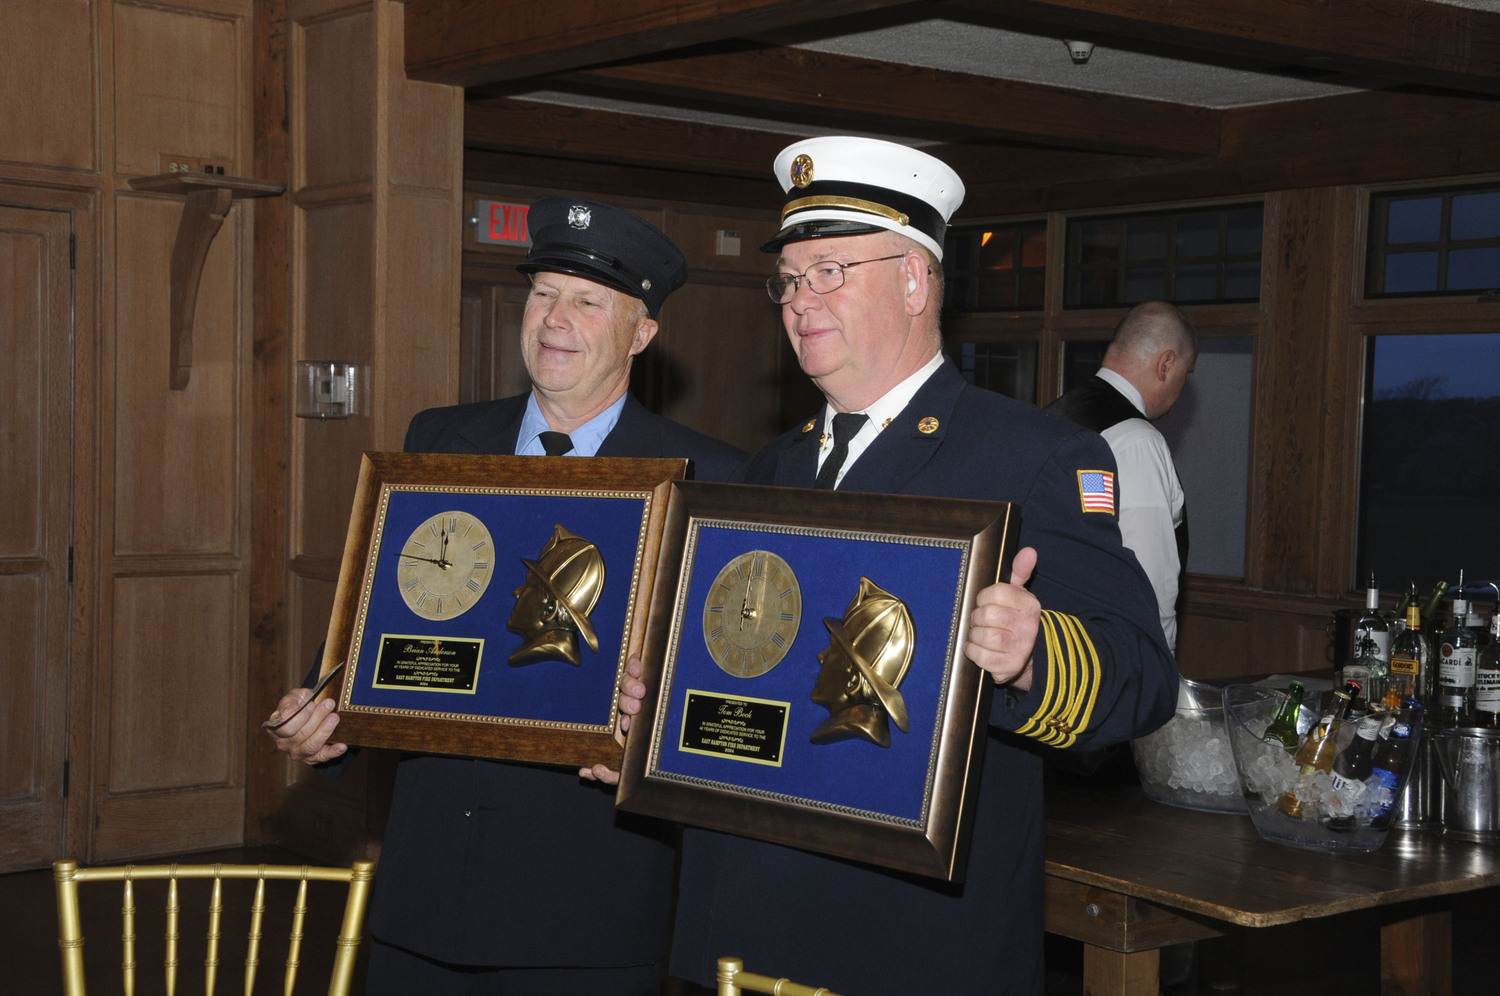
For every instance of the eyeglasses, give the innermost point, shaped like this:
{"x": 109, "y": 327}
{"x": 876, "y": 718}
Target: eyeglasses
{"x": 822, "y": 278}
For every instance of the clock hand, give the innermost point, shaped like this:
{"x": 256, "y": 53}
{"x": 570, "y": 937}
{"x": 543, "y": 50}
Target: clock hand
{"x": 443, "y": 560}
{"x": 430, "y": 560}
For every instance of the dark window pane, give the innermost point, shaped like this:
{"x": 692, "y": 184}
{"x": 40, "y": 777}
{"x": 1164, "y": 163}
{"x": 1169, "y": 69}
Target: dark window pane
{"x": 1432, "y": 405}
{"x": 997, "y": 250}
{"x": 1096, "y": 288}
{"x": 1080, "y": 360}
{"x": 1244, "y": 232}
{"x": 1131, "y": 258}
{"x": 1034, "y": 247}
{"x": 1145, "y": 283}
{"x": 1242, "y": 281}
{"x": 1033, "y": 295}
{"x": 997, "y": 293}
{"x": 1199, "y": 282}
{"x": 1146, "y": 239}
{"x": 1198, "y": 235}
{"x": 1007, "y": 368}
{"x": 1099, "y": 243}
{"x": 1414, "y": 220}
{"x": 1411, "y": 271}
{"x": 1473, "y": 269}
{"x": 1476, "y": 216}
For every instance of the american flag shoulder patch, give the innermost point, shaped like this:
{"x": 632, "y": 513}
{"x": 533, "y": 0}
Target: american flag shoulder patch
{"x": 1096, "y": 489}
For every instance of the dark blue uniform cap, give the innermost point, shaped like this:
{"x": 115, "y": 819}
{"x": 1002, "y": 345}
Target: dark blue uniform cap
{"x": 605, "y": 244}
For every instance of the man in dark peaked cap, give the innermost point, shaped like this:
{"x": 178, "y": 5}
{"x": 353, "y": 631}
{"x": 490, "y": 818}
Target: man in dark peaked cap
{"x": 490, "y": 877}
{"x": 1072, "y": 640}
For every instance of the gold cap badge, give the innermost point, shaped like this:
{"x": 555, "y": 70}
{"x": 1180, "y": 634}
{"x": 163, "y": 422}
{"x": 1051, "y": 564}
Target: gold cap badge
{"x": 928, "y": 425}
{"x": 802, "y": 170}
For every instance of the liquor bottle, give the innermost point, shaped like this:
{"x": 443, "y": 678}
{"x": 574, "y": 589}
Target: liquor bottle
{"x": 1487, "y": 678}
{"x": 1411, "y": 662}
{"x": 1352, "y": 766}
{"x": 1456, "y": 671}
{"x": 1388, "y": 763}
{"x": 1373, "y": 625}
{"x": 1319, "y": 750}
{"x": 1283, "y": 729}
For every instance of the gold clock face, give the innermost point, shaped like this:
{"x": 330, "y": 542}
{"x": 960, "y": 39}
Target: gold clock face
{"x": 752, "y": 613}
{"x": 446, "y": 565}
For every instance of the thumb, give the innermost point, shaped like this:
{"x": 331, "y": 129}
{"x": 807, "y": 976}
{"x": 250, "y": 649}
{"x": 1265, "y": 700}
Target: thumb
{"x": 1022, "y": 565}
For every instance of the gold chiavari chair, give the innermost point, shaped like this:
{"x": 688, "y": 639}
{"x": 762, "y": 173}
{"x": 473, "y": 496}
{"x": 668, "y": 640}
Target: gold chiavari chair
{"x": 733, "y": 980}
{"x": 68, "y": 875}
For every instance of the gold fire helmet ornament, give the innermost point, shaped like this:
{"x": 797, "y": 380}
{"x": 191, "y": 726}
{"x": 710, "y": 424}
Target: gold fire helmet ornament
{"x": 562, "y": 587}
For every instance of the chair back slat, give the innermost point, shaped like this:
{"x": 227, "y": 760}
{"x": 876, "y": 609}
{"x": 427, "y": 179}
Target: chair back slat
{"x": 67, "y": 877}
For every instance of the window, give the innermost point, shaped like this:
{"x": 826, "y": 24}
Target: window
{"x": 999, "y": 267}
{"x": 1430, "y": 459}
{"x": 1007, "y": 368}
{"x": 1192, "y": 256}
{"x": 1432, "y": 242}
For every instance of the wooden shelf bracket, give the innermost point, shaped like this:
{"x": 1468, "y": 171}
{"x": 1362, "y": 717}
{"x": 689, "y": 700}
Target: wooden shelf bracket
{"x": 208, "y": 200}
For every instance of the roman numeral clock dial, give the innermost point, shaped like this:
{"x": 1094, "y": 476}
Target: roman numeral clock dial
{"x": 752, "y": 612}
{"x": 445, "y": 566}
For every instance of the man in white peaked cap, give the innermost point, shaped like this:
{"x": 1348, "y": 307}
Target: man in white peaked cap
{"x": 1072, "y": 640}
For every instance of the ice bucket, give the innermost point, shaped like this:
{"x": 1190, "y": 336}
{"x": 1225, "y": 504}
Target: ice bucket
{"x": 1356, "y": 816}
{"x": 1187, "y": 761}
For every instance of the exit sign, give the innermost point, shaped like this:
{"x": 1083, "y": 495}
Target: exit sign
{"x": 501, "y": 223}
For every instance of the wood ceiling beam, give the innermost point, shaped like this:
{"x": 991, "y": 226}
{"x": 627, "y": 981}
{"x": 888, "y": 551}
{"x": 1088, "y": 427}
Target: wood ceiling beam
{"x": 556, "y": 131}
{"x": 1408, "y": 41}
{"x": 468, "y": 42}
{"x": 826, "y": 90}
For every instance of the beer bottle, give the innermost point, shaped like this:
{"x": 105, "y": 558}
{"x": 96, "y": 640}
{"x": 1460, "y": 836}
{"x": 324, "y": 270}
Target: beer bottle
{"x": 1352, "y": 766}
{"x": 1283, "y": 729}
{"x": 1318, "y": 751}
{"x": 1388, "y": 763}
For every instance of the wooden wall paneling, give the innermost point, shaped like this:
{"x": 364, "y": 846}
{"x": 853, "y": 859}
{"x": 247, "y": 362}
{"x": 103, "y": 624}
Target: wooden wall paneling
{"x": 175, "y": 487}
{"x": 37, "y": 494}
{"x": 334, "y": 123}
{"x": 716, "y": 360}
{"x": 49, "y": 118}
{"x": 178, "y": 785}
{"x": 270, "y": 421}
{"x": 1291, "y": 359}
{"x": 1341, "y": 393}
{"x": 178, "y": 87}
{"x": 375, "y": 258}
{"x": 179, "y": 456}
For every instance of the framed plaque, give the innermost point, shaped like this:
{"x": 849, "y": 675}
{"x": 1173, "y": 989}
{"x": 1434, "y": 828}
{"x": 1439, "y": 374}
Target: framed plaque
{"x": 487, "y": 604}
{"x": 806, "y": 675}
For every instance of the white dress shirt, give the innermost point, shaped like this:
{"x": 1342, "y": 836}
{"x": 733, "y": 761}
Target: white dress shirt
{"x": 880, "y": 414}
{"x": 1151, "y": 501}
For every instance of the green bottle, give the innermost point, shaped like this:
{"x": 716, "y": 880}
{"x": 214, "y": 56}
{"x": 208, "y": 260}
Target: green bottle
{"x": 1283, "y": 729}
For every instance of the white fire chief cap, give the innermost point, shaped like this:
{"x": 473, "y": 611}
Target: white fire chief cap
{"x": 841, "y": 185}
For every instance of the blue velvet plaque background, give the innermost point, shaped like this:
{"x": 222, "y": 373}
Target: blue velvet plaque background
{"x": 858, "y": 774}
{"x": 520, "y": 525}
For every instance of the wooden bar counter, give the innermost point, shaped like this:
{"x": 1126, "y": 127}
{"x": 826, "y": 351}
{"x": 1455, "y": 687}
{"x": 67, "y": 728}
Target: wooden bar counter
{"x": 1128, "y": 876}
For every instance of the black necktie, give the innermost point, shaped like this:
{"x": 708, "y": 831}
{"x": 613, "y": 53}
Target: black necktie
{"x": 845, "y": 426}
{"x": 556, "y": 443}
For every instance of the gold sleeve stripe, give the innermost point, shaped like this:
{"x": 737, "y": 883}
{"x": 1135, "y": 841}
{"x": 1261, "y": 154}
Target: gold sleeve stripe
{"x": 1073, "y": 674}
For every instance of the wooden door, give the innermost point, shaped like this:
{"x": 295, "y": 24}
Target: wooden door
{"x": 36, "y": 498}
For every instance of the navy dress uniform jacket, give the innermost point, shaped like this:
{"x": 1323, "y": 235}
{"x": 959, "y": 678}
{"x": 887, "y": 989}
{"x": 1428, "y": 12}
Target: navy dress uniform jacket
{"x": 504, "y": 864}
{"x": 1102, "y": 674}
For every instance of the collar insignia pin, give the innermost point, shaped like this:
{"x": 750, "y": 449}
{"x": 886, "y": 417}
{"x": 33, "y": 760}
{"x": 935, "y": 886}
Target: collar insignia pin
{"x": 928, "y": 425}
{"x": 809, "y": 426}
